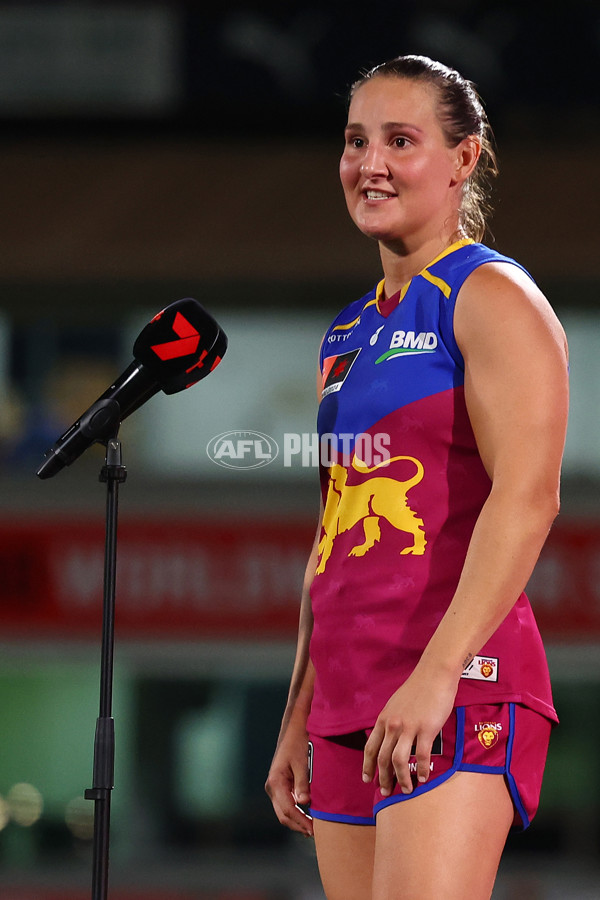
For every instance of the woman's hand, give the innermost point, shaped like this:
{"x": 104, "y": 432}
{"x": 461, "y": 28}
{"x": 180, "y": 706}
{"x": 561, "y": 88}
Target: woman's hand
{"x": 287, "y": 784}
{"x": 412, "y": 717}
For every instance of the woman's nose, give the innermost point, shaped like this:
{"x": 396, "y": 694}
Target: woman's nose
{"x": 373, "y": 162}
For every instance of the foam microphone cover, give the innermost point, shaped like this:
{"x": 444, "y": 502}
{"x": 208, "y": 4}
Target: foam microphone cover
{"x": 181, "y": 345}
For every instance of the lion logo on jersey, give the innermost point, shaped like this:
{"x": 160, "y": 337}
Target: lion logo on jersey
{"x": 368, "y": 502}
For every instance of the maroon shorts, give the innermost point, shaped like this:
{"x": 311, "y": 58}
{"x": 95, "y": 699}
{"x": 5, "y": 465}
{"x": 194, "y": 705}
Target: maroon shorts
{"x": 506, "y": 739}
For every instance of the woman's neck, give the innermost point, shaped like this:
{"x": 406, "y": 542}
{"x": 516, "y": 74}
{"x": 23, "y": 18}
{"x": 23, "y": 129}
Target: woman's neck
{"x": 400, "y": 264}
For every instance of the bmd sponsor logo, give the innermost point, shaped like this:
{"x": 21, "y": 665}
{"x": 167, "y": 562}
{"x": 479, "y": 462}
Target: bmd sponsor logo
{"x": 408, "y": 343}
{"x": 242, "y": 449}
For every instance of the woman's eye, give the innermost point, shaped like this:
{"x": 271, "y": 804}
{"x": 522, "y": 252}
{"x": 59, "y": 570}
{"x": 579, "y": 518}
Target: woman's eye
{"x": 401, "y": 142}
{"x": 357, "y": 143}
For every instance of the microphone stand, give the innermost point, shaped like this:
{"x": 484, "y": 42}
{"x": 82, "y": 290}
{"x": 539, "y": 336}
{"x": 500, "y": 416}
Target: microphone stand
{"x": 113, "y": 473}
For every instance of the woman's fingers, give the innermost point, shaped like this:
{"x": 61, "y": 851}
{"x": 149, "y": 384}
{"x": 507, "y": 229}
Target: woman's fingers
{"x": 388, "y": 752}
{"x": 372, "y": 751}
{"x": 287, "y": 789}
{"x": 423, "y": 758}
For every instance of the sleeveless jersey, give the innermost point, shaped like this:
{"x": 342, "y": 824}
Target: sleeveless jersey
{"x": 403, "y": 485}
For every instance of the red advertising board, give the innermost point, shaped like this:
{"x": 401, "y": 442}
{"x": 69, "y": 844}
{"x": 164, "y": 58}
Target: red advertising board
{"x": 181, "y": 579}
{"x": 175, "y": 578}
{"x": 565, "y": 587}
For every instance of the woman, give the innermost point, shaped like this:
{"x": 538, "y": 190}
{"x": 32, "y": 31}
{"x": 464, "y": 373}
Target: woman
{"x": 420, "y": 678}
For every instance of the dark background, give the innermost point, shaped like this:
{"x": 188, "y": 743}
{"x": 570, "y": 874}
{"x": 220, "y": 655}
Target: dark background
{"x": 122, "y": 191}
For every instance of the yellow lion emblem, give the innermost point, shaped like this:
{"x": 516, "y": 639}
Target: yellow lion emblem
{"x": 368, "y": 502}
{"x": 488, "y": 735}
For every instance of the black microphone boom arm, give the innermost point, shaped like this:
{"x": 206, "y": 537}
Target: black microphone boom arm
{"x": 101, "y": 421}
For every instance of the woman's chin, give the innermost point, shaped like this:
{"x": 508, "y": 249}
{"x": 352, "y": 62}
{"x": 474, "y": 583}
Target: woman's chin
{"x": 377, "y": 231}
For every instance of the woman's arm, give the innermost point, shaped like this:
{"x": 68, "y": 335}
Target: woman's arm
{"x": 516, "y": 391}
{"x": 287, "y": 783}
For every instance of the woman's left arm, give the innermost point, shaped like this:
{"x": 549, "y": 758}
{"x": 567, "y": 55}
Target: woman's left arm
{"x": 516, "y": 391}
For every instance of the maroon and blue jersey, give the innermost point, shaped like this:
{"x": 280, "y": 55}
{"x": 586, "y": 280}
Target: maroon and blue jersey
{"x": 403, "y": 485}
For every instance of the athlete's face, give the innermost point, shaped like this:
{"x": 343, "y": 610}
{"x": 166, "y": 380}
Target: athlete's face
{"x": 401, "y": 180}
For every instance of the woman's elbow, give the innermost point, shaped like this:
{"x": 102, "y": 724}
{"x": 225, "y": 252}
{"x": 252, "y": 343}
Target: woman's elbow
{"x": 552, "y": 505}
{"x": 537, "y": 503}
{"x": 543, "y": 505}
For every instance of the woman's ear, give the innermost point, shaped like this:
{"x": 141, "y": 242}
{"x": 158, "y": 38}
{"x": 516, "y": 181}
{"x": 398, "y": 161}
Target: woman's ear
{"x": 467, "y": 155}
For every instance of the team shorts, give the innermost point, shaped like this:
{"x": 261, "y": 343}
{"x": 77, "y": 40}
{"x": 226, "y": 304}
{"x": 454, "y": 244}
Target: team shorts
{"x": 506, "y": 739}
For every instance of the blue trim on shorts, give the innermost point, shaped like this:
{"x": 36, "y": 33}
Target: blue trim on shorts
{"x": 512, "y": 784}
{"x": 505, "y": 770}
{"x": 457, "y": 766}
{"x": 346, "y": 820}
{"x": 429, "y": 785}
{"x": 485, "y": 770}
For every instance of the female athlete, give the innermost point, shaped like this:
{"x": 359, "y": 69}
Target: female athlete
{"x": 420, "y": 684}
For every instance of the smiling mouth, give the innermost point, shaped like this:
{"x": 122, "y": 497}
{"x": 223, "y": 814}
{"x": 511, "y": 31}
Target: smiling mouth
{"x": 377, "y": 195}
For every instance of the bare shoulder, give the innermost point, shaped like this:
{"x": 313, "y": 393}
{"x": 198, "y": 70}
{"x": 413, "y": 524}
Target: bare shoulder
{"x": 516, "y": 372}
{"x": 499, "y": 302}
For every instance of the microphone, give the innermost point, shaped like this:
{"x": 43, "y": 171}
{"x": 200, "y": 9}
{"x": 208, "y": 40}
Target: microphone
{"x": 181, "y": 345}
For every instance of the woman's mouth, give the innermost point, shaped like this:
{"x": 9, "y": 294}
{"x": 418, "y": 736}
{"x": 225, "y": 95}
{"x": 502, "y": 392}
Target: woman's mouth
{"x": 377, "y": 195}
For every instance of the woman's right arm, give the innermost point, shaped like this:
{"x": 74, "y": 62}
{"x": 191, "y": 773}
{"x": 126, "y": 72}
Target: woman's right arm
{"x": 287, "y": 784}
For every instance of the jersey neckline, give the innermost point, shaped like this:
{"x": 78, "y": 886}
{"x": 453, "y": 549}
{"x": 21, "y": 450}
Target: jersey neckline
{"x": 386, "y": 305}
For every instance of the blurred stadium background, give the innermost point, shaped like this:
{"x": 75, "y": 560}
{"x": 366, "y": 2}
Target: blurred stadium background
{"x": 151, "y": 151}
